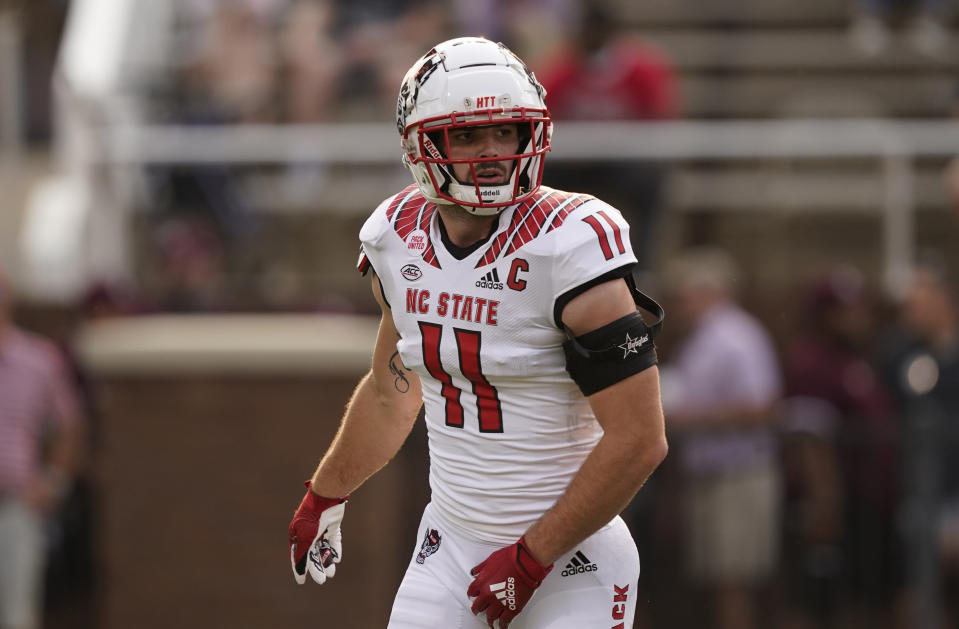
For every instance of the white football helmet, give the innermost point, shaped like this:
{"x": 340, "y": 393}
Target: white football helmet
{"x": 463, "y": 82}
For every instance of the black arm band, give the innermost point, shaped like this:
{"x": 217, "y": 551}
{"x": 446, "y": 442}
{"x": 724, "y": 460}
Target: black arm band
{"x": 615, "y": 351}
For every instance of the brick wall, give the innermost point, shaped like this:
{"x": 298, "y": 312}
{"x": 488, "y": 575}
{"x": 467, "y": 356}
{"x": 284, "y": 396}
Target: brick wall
{"x": 198, "y": 478}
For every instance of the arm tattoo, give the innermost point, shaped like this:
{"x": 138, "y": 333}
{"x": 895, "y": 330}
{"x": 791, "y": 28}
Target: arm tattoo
{"x": 400, "y": 382}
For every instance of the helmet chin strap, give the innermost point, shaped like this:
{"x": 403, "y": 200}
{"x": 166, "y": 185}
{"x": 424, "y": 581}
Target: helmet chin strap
{"x": 490, "y": 194}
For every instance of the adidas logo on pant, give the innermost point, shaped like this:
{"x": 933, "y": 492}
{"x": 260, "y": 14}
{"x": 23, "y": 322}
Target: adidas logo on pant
{"x": 490, "y": 280}
{"x": 579, "y": 564}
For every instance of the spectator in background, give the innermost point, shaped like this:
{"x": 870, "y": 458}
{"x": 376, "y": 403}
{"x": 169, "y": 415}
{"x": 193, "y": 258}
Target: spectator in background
{"x": 603, "y": 73}
{"x": 720, "y": 389}
{"x": 375, "y": 36}
{"x": 530, "y": 27}
{"x": 40, "y": 424}
{"x": 312, "y": 61}
{"x": 232, "y": 75}
{"x": 191, "y": 265}
{"x": 921, "y": 366}
{"x": 841, "y": 462}
{"x": 928, "y": 31}
{"x": 417, "y": 28}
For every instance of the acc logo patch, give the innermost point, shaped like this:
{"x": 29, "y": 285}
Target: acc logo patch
{"x": 411, "y": 272}
{"x": 431, "y": 543}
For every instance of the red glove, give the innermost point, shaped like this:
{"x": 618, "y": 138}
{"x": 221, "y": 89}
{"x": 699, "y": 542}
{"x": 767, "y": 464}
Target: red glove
{"x": 316, "y": 543}
{"x": 505, "y": 582}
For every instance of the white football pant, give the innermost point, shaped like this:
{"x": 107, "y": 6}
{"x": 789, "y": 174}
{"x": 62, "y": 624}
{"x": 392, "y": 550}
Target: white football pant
{"x": 592, "y": 586}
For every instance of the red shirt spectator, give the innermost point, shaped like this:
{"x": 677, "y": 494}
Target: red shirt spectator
{"x": 606, "y": 75}
{"x": 830, "y": 362}
{"x": 625, "y": 80}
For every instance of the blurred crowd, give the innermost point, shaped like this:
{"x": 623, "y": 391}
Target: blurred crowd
{"x": 812, "y": 477}
{"x": 319, "y": 60}
{"x": 923, "y": 23}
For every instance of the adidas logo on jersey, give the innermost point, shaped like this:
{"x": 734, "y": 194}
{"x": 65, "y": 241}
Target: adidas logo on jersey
{"x": 578, "y": 564}
{"x": 490, "y": 280}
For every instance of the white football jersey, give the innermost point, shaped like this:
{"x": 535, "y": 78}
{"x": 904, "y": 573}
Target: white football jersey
{"x": 507, "y": 426}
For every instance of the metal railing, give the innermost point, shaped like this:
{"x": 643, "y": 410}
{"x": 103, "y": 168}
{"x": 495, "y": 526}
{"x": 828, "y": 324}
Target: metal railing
{"x": 894, "y": 145}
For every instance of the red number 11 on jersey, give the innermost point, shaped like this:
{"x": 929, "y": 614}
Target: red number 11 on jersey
{"x": 468, "y": 349}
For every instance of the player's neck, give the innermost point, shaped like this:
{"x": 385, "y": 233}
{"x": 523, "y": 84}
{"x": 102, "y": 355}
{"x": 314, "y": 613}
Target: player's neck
{"x": 465, "y": 229}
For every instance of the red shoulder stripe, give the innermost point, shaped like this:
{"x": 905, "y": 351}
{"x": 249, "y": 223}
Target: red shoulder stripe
{"x": 413, "y": 213}
{"x": 408, "y": 216}
{"x": 533, "y": 222}
{"x": 571, "y": 203}
{"x": 493, "y": 251}
{"x": 525, "y": 225}
{"x": 399, "y": 199}
{"x": 426, "y": 215}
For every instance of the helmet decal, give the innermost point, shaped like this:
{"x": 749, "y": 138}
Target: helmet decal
{"x": 410, "y": 89}
{"x": 403, "y": 106}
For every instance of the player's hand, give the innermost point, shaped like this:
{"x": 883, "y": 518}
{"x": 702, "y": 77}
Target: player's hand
{"x": 505, "y": 582}
{"x": 316, "y": 543}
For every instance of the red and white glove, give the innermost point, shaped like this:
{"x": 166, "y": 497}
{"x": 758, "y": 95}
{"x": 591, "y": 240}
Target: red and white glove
{"x": 505, "y": 582}
{"x": 316, "y": 543}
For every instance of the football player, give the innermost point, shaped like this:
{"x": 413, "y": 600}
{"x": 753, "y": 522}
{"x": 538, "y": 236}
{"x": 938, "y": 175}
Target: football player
{"x": 510, "y": 312}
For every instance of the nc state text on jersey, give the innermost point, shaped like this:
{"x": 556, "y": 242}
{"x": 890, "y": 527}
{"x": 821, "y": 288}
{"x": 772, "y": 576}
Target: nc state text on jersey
{"x": 454, "y": 306}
